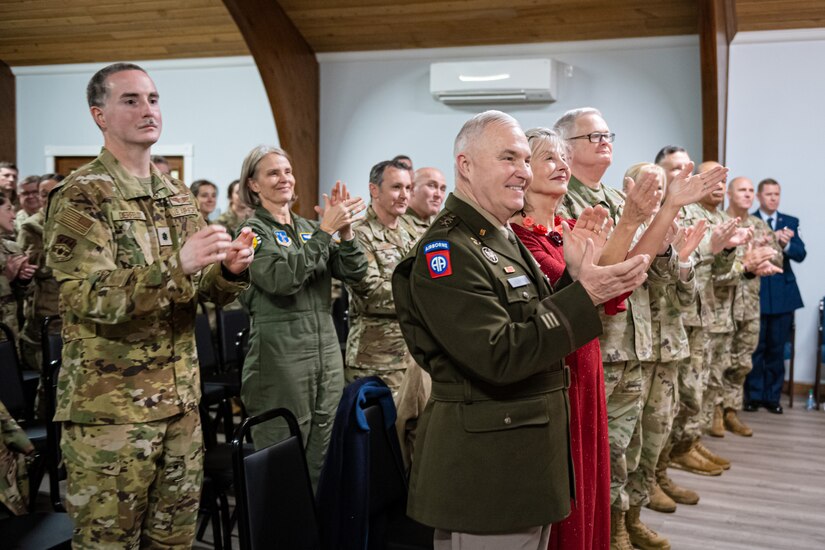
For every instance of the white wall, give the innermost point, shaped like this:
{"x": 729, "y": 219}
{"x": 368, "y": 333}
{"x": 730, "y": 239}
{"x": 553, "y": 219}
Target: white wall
{"x": 375, "y": 105}
{"x": 775, "y": 112}
{"x": 218, "y": 106}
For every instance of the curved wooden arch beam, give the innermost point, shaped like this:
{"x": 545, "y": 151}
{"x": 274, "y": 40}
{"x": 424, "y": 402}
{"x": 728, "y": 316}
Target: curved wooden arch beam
{"x": 717, "y": 27}
{"x": 8, "y": 115}
{"x": 290, "y": 75}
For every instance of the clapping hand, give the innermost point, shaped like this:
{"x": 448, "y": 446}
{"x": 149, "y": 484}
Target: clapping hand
{"x": 595, "y": 224}
{"x": 686, "y": 189}
{"x": 784, "y": 235}
{"x": 339, "y": 211}
{"x": 643, "y": 197}
{"x": 689, "y": 240}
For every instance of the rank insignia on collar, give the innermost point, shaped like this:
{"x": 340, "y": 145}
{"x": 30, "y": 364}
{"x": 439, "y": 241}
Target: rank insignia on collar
{"x": 489, "y": 254}
{"x": 482, "y": 232}
{"x": 282, "y": 238}
{"x": 475, "y": 241}
{"x": 447, "y": 220}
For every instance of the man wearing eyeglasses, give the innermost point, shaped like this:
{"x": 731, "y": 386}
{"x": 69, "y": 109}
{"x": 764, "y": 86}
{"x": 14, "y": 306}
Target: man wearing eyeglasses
{"x": 29, "y": 194}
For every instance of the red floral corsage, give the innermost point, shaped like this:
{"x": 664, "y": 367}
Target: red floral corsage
{"x": 554, "y": 236}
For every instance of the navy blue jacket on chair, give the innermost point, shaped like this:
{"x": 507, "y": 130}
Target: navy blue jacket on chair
{"x": 779, "y": 293}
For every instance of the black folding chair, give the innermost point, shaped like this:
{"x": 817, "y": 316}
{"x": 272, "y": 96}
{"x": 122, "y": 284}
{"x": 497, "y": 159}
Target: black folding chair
{"x": 275, "y": 504}
{"x": 233, "y": 334}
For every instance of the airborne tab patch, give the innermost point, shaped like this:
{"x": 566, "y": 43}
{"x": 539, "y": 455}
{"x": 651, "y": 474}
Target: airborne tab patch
{"x": 437, "y": 254}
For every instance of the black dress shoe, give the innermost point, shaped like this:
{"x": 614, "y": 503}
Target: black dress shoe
{"x": 752, "y": 406}
{"x": 774, "y": 408}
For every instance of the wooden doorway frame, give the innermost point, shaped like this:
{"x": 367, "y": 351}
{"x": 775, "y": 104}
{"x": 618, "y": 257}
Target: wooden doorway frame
{"x": 185, "y": 151}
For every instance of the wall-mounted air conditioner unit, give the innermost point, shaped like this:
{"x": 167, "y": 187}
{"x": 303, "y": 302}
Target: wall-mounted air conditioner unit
{"x": 502, "y": 81}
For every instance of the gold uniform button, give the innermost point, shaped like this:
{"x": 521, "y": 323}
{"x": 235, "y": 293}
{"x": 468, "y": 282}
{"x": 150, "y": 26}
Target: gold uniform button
{"x": 508, "y": 420}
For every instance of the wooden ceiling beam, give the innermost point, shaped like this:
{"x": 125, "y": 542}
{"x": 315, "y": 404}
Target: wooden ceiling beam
{"x": 291, "y": 78}
{"x": 8, "y": 115}
{"x": 717, "y": 27}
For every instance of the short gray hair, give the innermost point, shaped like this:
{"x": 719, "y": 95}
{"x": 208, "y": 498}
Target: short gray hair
{"x": 476, "y": 126}
{"x": 564, "y": 125}
{"x": 249, "y": 167}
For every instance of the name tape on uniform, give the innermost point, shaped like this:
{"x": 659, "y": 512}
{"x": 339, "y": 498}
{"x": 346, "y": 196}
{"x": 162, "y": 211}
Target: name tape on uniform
{"x": 437, "y": 254}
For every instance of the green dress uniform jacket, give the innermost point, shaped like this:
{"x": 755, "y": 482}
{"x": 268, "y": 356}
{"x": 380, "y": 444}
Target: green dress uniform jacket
{"x": 128, "y": 309}
{"x": 492, "y": 454}
{"x": 292, "y": 333}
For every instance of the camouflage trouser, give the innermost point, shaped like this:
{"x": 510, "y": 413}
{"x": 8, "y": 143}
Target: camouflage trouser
{"x": 134, "y": 485}
{"x": 686, "y": 427}
{"x": 391, "y": 377}
{"x": 719, "y": 362}
{"x": 661, "y": 400}
{"x": 623, "y": 389}
{"x": 745, "y": 340}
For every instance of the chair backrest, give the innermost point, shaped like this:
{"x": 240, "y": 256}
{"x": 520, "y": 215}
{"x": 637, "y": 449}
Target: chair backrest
{"x": 11, "y": 381}
{"x": 275, "y": 502}
{"x": 233, "y": 334}
{"x": 205, "y": 347}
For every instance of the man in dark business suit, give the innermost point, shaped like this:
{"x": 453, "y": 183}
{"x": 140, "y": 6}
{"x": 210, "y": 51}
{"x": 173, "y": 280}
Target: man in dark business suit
{"x": 779, "y": 298}
{"x": 491, "y": 467}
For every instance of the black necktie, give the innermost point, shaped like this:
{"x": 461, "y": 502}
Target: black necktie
{"x": 770, "y": 223}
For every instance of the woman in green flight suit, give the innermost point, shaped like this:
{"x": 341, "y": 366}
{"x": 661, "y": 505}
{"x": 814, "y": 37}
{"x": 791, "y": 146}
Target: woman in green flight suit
{"x": 294, "y": 359}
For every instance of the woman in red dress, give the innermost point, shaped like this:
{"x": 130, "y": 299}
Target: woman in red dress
{"x": 588, "y": 525}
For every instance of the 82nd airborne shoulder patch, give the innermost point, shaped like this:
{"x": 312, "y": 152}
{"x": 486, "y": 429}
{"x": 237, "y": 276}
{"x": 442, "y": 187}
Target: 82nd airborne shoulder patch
{"x": 437, "y": 254}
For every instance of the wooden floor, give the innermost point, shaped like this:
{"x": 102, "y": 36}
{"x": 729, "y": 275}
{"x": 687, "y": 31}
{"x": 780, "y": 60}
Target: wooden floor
{"x": 773, "y": 497}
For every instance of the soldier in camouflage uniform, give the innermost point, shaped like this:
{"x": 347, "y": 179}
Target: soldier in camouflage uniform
{"x": 375, "y": 345}
{"x": 14, "y": 481}
{"x": 237, "y": 213}
{"x": 29, "y": 201}
{"x": 44, "y": 297}
{"x": 15, "y": 271}
{"x": 763, "y": 258}
{"x": 627, "y": 340}
{"x": 672, "y": 291}
{"x": 426, "y": 198}
{"x": 132, "y": 255}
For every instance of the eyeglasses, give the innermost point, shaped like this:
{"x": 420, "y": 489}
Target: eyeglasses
{"x": 596, "y": 137}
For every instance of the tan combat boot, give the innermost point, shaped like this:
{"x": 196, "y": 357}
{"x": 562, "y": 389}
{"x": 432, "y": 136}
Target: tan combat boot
{"x": 712, "y": 457}
{"x": 735, "y": 425}
{"x": 619, "y": 539}
{"x": 642, "y": 536}
{"x": 717, "y": 426}
{"x": 659, "y": 501}
{"x": 695, "y": 463}
{"x": 678, "y": 494}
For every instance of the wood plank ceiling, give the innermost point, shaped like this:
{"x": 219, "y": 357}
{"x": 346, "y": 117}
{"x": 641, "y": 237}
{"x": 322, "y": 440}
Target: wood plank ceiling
{"x": 37, "y": 32}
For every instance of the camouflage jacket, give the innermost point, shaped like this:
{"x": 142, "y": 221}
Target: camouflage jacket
{"x": 670, "y": 297}
{"x": 627, "y": 335}
{"x": 375, "y": 339}
{"x": 416, "y": 224}
{"x": 11, "y": 292}
{"x": 746, "y": 299}
{"x": 716, "y": 275}
{"x": 14, "y": 484}
{"x": 30, "y": 240}
{"x": 128, "y": 309}
{"x": 229, "y": 220}
{"x": 20, "y": 217}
